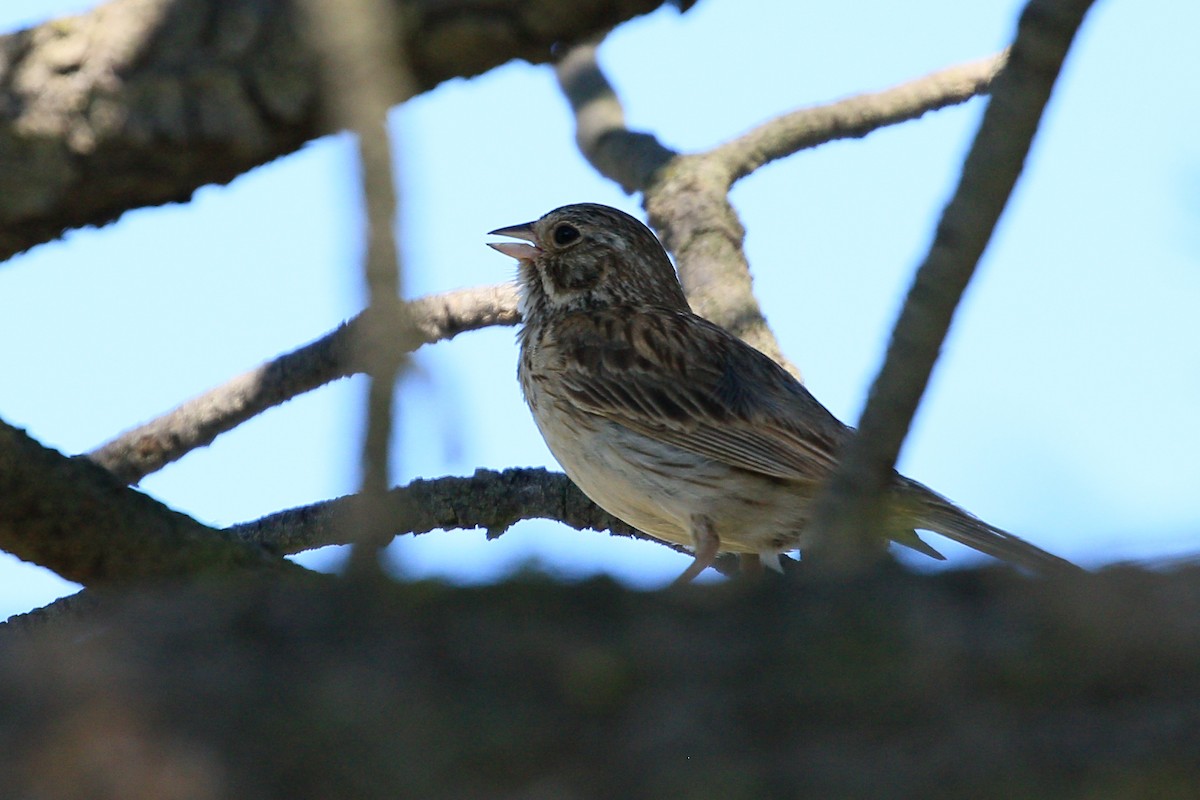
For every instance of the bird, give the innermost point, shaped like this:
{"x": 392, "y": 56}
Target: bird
{"x": 673, "y": 424}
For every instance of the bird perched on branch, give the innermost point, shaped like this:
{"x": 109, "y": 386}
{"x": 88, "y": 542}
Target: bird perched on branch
{"x": 675, "y": 425}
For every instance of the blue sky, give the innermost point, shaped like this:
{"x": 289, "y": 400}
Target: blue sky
{"x": 1064, "y": 408}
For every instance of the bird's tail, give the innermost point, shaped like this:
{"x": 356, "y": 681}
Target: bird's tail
{"x": 935, "y": 513}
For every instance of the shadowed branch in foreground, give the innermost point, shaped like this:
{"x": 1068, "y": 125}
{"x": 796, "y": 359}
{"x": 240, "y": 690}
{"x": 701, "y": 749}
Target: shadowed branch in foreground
{"x": 852, "y": 504}
{"x": 979, "y": 684}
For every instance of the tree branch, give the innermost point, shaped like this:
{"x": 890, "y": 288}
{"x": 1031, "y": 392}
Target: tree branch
{"x": 62, "y": 611}
{"x": 978, "y": 684}
{"x": 197, "y": 422}
{"x": 686, "y": 195}
{"x": 617, "y": 153}
{"x": 141, "y": 102}
{"x": 856, "y": 116}
{"x": 360, "y": 73}
{"x": 850, "y": 508}
{"x": 73, "y": 517}
{"x": 488, "y": 499}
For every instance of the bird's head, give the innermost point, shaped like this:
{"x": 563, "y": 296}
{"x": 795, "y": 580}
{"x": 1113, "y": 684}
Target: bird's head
{"x": 588, "y": 256}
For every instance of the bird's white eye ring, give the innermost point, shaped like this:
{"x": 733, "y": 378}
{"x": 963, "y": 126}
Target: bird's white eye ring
{"x": 565, "y": 233}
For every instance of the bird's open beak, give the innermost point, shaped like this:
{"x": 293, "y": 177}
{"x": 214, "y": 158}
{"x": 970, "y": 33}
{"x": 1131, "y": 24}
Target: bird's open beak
{"x": 521, "y": 252}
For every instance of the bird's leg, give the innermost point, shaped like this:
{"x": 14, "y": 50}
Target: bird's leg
{"x": 707, "y": 543}
{"x": 750, "y": 565}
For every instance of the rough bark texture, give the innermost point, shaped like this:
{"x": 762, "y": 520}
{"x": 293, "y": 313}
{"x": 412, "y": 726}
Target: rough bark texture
{"x": 979, "y": 684}
{"x": 141, "y": 102}
{"x": 74, "y": 517}
{"x": 494, "y": 501}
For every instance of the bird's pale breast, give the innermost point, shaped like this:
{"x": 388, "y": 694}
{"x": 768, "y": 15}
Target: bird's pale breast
{"x": 655, "y": 486}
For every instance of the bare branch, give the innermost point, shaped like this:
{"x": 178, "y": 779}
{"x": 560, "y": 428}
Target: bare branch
{"x": 688, "y": 204}
{"x": 73, "y": 517}
{"x": 141, "y": 102}
{"x": 850, "y": 508}
{"x": 360, "y": 73}
{"x": 856, "y": 116}
{"x": 62, "y": 611}
{"x": 684, "y": 196}
{"x": 488, "y": 499}
{"x": 197, "y": 422}
{"x": 617, "y": 153}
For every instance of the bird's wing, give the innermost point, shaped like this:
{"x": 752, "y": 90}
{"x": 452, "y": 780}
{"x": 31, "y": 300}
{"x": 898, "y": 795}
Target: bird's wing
{"x": 677, "y": 378}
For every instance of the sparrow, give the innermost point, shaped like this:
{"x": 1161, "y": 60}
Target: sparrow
{"x": 673, "y": 424}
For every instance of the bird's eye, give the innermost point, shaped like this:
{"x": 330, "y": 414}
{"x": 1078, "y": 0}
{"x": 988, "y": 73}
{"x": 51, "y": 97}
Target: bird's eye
{"x": 564, "y": 234}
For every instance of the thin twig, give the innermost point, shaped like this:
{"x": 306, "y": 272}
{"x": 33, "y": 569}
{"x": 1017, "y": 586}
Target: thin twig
{"x": 856, "y": 116}
{"x": 362, "y": 71}
{"x": 195, "y": 423}
{"x": 851, "y": 507}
